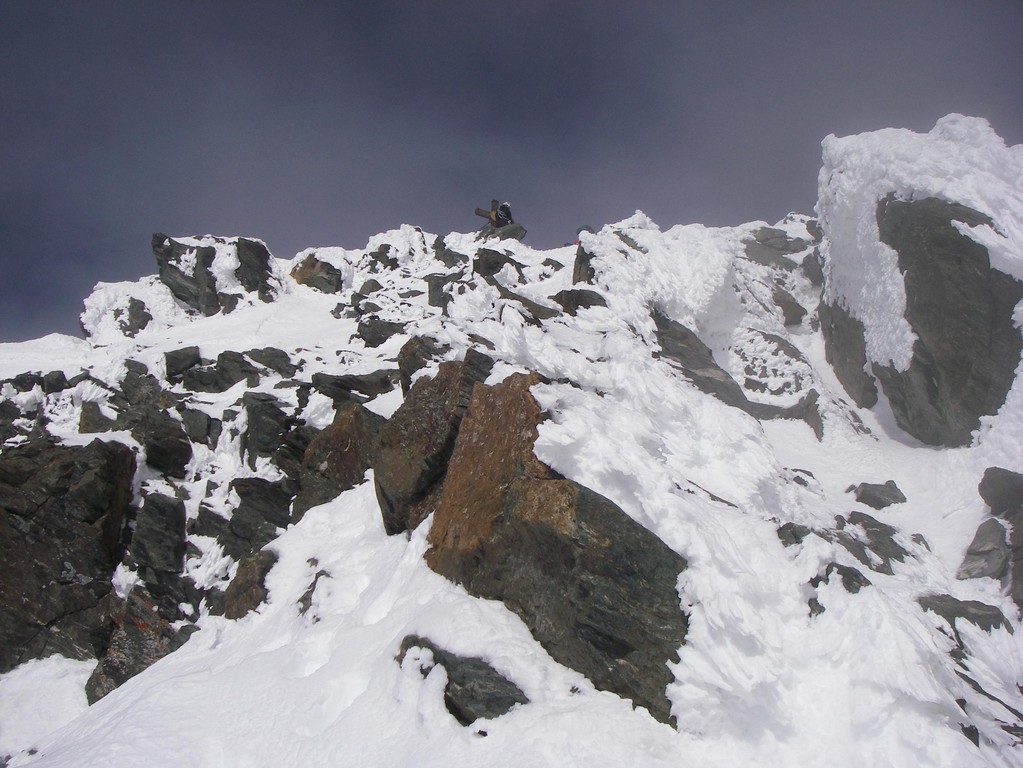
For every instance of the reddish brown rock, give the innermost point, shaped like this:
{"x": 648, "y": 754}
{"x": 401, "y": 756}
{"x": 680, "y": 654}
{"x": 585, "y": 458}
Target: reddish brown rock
{"x": 595, "y": 588}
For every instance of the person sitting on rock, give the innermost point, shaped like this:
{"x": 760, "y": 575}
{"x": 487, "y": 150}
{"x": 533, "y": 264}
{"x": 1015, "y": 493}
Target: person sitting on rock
{"x": 498, "y": 215}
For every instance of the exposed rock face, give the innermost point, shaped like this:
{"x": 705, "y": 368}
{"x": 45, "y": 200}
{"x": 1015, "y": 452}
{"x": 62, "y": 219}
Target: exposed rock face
{"x": 337, "y": 457}
{"x": 960, "y": 308}
{"x": 596, "y": 589}
{"x": 141, "y": 637}
{"x": 414, "y": 446}
{"x": 474, "y": 688}
{"x": 845, "y": 349}
{"x": 247, "y": 591}
{"x": 318, "y": 274}
{"x": 771, "y": 247}
{"x": 1002, "y": 490}
{"x": 575, "y": 299}
{"x": 157, "y": 550}
{"x": 988, "y": 554}
{"x": 62, "y": 517}
{"x": 878, "y": 495}
{"x": 186, "y": 270}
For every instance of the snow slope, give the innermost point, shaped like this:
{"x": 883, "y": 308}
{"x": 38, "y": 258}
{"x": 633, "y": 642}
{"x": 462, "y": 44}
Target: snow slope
{"x": 870, "y": 681}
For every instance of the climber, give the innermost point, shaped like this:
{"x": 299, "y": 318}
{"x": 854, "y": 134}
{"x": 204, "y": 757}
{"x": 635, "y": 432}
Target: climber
{"x": 498, "y": 215}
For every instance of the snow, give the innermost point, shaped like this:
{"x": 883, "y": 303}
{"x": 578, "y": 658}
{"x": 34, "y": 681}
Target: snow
{"x": 868, "y": 682}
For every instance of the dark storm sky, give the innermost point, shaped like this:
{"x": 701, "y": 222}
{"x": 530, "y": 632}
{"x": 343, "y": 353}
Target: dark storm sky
{"x": 322, "y": 123}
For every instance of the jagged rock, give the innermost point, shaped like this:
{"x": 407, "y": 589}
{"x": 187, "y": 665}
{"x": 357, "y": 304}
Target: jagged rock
{"x": 253, "y": 270}
{"x": 62, "y": 518}
{"x": 374, "y": 331}
{"x": 352, "y": 387}
{"x": 813, "y": 268}
{"x": 988, "y": 553}
{"x": 792, "y": 311}
{"x": 845, "y": 349}
{"x": 595, "y": 588}
{"x": 267, "y": 424}
{"x": 288, "y": 457}
{"x": 852, "y": 580}
{"x": 967, "y": 346}
{"x": 534, "y": 313}
{"x": 200, "y": 427}
{"x": 180, "y": 360}
{"x": 414, "y": 446}
{"x": 877, "y": 495}
{"x": 793, "y": 533}
{"x": 880, "y": 542}
{"x": 772, "y": 247}
{"x": 263, "y": 508}
{"x": 92, "y": 420}
{"x": 695, "y": 360}
{"x": 582, "y": 268}
{"x": 474, "y": 689}
{"x": 164, "y": 441}
{"x": 318, "y": 274}
{"x": 230, "y": 369}
{"x": 574, "y": 299}
{"x": 140, "y": 638}
{"x": 507, "y": 232}
{"x": 191, "y": 282}
{"x": 157, "y": 550}
{"x": 446, "y": 256}
{"x": 436, "y": 295}
{"x": 185, "y": 270}
{"x": 338, "y": 457}
{"x": 489, "y": 262}
{"x": 10, "y": 413}
{"x": 414, "y": 356}
{"x": 246, "y": 591}
{"x": 136, "y": 318}
{"x": 382, "y": 258}
{"x": 772, "y": 364}
{"x": 277, "y": 360}
{"x": 987, "y": 617}
{"x": 1002, "y": 491}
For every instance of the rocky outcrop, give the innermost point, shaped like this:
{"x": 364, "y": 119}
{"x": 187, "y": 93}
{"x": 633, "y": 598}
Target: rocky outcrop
{"x": 1002, "y": 490}
{"x": 247, "y": 590}
{"x": 878, "y": 495}
{"x": 186, "y": 269}
{"x": 960, "y": 308}
{"x": 595, "y": 588}
{"x": 414, "y": 446}
{"x": 772, "y": 247}
{"x": 318, "y": 274}
{"x": 474, "y": 689}
{"x": 338, "y": 457}
{"x": 63, "y": 512}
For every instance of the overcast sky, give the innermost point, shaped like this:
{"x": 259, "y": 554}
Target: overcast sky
{"x": 323, "y": 123}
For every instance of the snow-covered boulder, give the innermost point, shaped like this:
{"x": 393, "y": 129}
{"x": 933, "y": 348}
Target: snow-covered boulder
{"x": 923, "y": 260}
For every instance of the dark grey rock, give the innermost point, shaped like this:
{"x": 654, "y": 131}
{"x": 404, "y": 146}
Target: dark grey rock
{"x": 877, "y": 538}
{"x": 474, "y": 689}
{"x": 987, "y": 617}
{"x": 374, "y": 331}
{"x": 200, "y": 427}
{"x": 195, "y": 288}
{"x": 845, "y": 349}
{"x": 988, "y": 554}
{"x": 135, "y": 319}
{"x": 507, "y": 232}
{"x": 771, "y": 247}
{"x": 157, "y": 551}
{"x": 180, "y": 360}
{"x": 879, "y": 496}
{"x": 813, "y": 268}
{"x": 63, "y": 512}
{"x": 582, "y": 269}
{"x": 349, "y": 387}
{"x": 574, "y": 299}
{"x": 446, "y": 256}
{"x": 277, "y": 360}
{"x": 437, "y": 296}
{"x": 792, "y": 534}
{"x": 792, "y": 311}
{"x": 852, "y": 580}
{"x": 231, "y": 368}
{"x": 266, "y": 426}
{"x": 253, "y": 270}
{"x": 1002, "y": 490}
{"x": 960, "y": 308}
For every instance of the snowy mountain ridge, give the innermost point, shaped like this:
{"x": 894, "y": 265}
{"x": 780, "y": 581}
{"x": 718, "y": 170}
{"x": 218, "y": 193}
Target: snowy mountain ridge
{"x": 712, "y": 384}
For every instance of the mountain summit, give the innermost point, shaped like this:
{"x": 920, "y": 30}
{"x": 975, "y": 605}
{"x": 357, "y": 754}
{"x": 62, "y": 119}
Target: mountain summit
{"x": 721, "y": 496}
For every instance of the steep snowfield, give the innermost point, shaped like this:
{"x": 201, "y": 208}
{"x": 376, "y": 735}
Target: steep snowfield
{"x": 870, "y": 681}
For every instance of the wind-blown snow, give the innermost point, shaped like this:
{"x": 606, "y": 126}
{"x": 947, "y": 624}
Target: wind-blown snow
{"x": 759, "y": 682}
